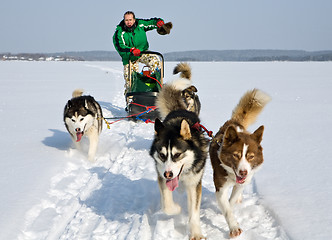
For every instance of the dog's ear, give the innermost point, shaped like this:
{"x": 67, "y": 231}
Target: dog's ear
{"x": 185, "y": 130}
{"x": 165, "y": 29}
{"x": 192, "y": 88}
{"x": 68, "y": 104}
{"x": 230, "y": 136}
{"x": 158, "y": 126}
{"x": 86, "y": 104}
{"x": 258, "y": 134}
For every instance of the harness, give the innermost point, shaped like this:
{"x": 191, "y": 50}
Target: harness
{"x": 137, "y": 116}
{"x": 199, "y": 127}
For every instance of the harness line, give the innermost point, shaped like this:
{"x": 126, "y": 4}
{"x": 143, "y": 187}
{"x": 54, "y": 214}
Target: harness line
{"x": 148, "y": 109}
{"x": 147, "y": 75}
{"x": 199, "y": 127}
{"x": 196, "y": 126}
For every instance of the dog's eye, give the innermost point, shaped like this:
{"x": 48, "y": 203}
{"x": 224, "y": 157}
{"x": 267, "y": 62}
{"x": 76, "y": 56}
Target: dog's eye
{"x": 81, "y": 119}
{"x": 237, "y": 155}
{"x": 176, "y": 155}
{"x": 162, "y": 156}
{"x": 73, "y": 120}
{"x": 250, "y": 156}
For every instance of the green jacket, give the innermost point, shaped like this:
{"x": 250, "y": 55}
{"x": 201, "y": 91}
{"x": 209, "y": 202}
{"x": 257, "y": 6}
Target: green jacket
{"x": 126, "y": 38}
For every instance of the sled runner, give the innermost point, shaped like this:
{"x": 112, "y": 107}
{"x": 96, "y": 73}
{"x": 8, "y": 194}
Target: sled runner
{"x": 143, "y": 89}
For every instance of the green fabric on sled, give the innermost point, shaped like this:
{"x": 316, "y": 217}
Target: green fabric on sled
{"x": 141, "y": 83}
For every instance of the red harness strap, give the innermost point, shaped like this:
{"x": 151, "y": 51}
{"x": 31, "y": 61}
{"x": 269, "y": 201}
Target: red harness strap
{"x": 199, "y": 127}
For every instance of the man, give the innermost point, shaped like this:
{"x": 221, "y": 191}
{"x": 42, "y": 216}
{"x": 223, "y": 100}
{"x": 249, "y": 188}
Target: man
{"x": 130, "y": 40}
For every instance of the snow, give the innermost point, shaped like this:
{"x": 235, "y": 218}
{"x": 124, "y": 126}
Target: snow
{"x": 49, "y": 190}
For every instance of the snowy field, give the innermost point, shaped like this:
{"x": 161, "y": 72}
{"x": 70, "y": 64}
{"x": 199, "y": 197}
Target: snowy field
{"x": 50, "y": 191}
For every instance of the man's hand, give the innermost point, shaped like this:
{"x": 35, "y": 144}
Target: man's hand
{"x": 160, "y": 23}
{"x": 135, "y": 51}
{"x": 164, "y": 28}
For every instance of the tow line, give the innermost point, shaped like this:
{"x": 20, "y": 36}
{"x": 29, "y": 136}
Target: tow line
{"x": 197, "y": 126}
{"x": 136, "y": 115}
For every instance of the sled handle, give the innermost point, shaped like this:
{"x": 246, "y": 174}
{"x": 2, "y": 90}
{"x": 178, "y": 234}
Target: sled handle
{"x": 161, "y": 70}
{"x": 160, "y": 55}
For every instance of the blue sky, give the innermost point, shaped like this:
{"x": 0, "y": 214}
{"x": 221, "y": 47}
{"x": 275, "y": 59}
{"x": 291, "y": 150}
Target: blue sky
{"x": 82, "y": 25}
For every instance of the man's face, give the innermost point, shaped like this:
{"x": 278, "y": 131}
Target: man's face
{"x": 129, "y": 20}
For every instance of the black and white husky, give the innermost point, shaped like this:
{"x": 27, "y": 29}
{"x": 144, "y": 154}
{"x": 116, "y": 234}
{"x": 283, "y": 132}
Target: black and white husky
{"x": 83, "y": 117}
{"x": 179, "y": 150}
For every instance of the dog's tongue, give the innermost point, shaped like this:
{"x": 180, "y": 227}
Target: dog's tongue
{"x": 240, "y": 180}
{"x": 79, "y": 136}
{"x": 172, "y": 184}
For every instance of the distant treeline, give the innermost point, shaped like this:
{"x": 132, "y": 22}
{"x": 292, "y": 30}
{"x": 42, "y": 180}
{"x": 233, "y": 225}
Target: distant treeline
{"x": 37, "y": 57}
{"x": 249, "y": 55}
{"x": 203, "y": 55}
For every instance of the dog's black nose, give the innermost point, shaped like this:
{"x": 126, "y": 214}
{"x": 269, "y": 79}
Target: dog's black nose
{"x": 77, "y": 129}
{"x": 168, "y": 174}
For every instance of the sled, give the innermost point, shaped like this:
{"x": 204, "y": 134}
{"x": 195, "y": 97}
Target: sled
{"x": 143, "y": 89}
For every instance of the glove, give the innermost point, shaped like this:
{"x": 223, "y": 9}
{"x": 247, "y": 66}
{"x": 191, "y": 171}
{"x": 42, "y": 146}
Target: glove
{"x": 160, "y": 23}
{"x": 135, "y": 51}
{"x": 165, "y": 28}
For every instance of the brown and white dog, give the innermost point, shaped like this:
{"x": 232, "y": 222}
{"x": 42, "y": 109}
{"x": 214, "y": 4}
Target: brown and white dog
{"x": 237, "y": 154}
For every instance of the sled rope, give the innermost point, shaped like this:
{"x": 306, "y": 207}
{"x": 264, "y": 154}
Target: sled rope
{"x": 137, "y": 115}
{"x": 155, "y": 80}
{"x": 119, "y": 119}
{"x": 146, "y": 120}
{"x": 199, "y": 127}
{"x": 148, "y": 109}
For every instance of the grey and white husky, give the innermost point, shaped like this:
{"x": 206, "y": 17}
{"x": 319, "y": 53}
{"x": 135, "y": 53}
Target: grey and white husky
{"x": 180, "y": 151}
{"x": 183, "y": 94}
{"x": 83, "y": 117}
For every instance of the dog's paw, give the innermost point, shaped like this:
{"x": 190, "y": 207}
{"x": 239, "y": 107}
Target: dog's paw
{"x": 91, "y": 159}
{"x": 174, "y": 209}
{"x": 197, "y": 237}
{"x": 235, "y": 232}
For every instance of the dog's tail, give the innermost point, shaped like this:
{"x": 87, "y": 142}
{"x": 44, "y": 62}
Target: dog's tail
{"x": 77, "y": 93}
{"x": 170, "y": 97}
{"x": 249, "y": 107}
{"x": 184, "y": 69}
{"x": 185, "y": 76}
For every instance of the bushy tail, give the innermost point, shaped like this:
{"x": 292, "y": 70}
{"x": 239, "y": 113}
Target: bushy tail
{"x": 77, "y": 93}
{"x": 249, "y": 107}
{"x": 170, "y": 97}
{"x": 184, "y": 69}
